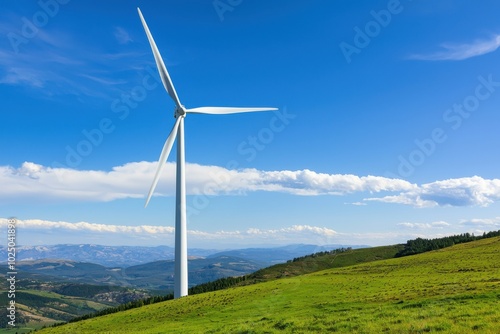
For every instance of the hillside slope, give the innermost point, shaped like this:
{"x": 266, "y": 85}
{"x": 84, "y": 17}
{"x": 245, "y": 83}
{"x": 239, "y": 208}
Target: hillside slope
{"x": 316, "y": 262}
{"x": 37, "y": 308}
{"x": 455, "y": 290}
{"x": 44, "y": 303}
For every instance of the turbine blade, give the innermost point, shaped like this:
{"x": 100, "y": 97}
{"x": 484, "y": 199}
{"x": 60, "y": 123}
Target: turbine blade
{"x": 165, "y": 77}
{"x": 163, "y": 158}
{"x": 225, "y": 110}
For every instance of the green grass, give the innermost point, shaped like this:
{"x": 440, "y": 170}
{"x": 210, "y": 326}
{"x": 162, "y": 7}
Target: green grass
{"x": 310, "y": 264}
{"x": 453, "y": 290}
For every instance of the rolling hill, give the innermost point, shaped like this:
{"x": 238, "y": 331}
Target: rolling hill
{"x": 456, "y": 290}
{"x": 40, "y": 304}
{"x": 274, "y": 255}
{"x": 159, "y": 275}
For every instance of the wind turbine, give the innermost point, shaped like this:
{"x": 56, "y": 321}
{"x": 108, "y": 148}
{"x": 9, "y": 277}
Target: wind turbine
{"x": 181, "y": 272}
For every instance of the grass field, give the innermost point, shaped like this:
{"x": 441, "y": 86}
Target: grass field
{"x": 453, "y": 290}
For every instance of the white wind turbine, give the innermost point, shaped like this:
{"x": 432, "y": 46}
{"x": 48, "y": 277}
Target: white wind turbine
{"x": 181, "y": 272}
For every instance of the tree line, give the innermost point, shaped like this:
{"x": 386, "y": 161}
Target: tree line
{"x": 421, "y": 245}
{"x": 335, "y": 251}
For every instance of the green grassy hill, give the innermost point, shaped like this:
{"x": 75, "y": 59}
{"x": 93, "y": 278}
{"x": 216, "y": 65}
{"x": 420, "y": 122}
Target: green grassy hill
{"x": 316, "y": 262}
{"x": 453, "y": 290}
{"x": 43, "y": 303}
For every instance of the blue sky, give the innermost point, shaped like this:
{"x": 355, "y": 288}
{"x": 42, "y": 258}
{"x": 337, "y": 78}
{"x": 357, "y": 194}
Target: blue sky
{"x": 386, "y": 129}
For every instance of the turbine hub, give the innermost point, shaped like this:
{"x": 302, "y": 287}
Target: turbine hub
{"x": 180, "y": 112}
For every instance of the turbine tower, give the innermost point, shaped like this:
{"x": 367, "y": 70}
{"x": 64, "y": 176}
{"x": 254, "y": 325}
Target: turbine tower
{"x": 181, "y": 271}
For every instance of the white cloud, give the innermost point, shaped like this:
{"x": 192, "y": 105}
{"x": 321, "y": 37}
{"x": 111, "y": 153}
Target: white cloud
{"x": 19, "y": 75}
{"x": 440, "y": 224}
{"x": 462, "y": 51}
{"x": 88, "y": 227}
{"x": 462, "y": 191}
{"x": 422, "y": 226}
{"x": 306, "y": 182}
{"x": 467, "y": 191}
{"x": 121, "y": 35}
{"x": 38, "y": 231}
{"x": 285, "y": 235}
{"x": 407, "y": 198}
{"x": 357, "y": 203}
{"x": 132, "y": 180}
{"x": 482, "y": 222}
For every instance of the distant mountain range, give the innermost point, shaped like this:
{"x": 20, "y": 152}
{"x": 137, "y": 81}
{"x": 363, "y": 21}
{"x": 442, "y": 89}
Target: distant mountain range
{"x": 126, "y": 256}
{"x": 275, "y": 255}
{"x": 154, "y": 276}
{"x": 109, "y": 256}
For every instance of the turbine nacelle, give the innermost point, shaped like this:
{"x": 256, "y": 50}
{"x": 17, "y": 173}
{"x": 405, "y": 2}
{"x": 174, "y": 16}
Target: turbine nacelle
{"x": 180, "y": 111}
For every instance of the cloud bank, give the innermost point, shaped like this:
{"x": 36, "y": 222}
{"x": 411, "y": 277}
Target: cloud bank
{"x": 467, "y": 191}
{"x": 39, "y": 231}
{"x": 482, "y": 223}
{"x": 89, "y": 227}
{"x": 285, "y": 235}
{"x": 420, "y": 226}
{"x": 132, "y": 180}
